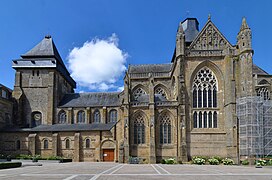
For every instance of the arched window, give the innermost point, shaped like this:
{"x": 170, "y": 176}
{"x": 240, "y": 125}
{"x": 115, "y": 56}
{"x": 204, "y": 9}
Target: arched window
{"x": 137, "y": 93}
{"x": 36, "y": 118}
{"x": 67, "y": 144}
{"x": 18, "y": 145}
{"x": 204, "y": 93}
{"x": 97, "y": 116}
{"x": 62, "y": 117}
{"x": 45, "y": 144}
{"x": 263, "y": 92}
{"x": 87, "y": 143}
{"x": 113, "y": 116}
{"x": 139, "y": 130}
{"x": 165, "y": 129}
{"x": 81, "y": 117}
{"x": 161, "y": 91}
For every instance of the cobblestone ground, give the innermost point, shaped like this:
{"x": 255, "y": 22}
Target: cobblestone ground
{"x": 92, "y": 171}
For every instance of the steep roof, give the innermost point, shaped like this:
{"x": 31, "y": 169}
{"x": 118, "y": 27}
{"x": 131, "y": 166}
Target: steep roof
{"x": 257, "y": 70}
{"x": 146, "y": 68}
{"x": 190, "y": 28}
{"x": 90, "y": 100}
{"x": 46, "y": 48}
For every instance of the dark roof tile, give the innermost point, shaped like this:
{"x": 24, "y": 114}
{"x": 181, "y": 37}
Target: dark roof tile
{"x": 147, "y": 68}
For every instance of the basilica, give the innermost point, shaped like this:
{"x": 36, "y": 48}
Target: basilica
{"x": 183, "y": 108}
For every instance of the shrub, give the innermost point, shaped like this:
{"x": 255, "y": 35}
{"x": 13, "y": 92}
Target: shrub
{"x": 269, "y": 162}
{"x": 245, "y": 162}
{"x": 163, "y": 161}
{"x": 260, "y": 162}
{"x": 54, "y": 158}
{"x": 218, "y": 158}
{"x": 170, "y": 161}
{"x": 228, "y": 161}
{"x": 6, "y": 165}
{"x": 24, "y": 156}
{"x": 198, "y": 160}
{"x": 213, "y": 161}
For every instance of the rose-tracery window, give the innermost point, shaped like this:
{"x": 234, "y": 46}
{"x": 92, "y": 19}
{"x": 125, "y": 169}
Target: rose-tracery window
{"x": 165, "y": 129}
{"x": 161, "y": 91}
{"x": 139, "y": 130}
{"x": 263, "y": 92}
{"x": 204, "y": 92}
{"x": 138, "y": 92}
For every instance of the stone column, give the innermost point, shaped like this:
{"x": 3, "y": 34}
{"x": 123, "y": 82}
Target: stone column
{"x": 69, "y": 115}
{"x": 152, "y": 149}
{"x": 55, "y": 144}
{"x": 88, "y": 113}
{"x": 77, "y": 147}
{"x": 32, "y": 143}
{"x": 104, "y": 115}
{"x": 50, "y": 103}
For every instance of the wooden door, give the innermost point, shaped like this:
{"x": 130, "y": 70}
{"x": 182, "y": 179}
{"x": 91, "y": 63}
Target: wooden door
{"x": 108, "y": 154}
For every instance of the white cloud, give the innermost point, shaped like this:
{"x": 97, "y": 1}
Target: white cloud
{"x": 98, "y": 64}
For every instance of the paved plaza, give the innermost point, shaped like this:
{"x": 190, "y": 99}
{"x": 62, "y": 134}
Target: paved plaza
{"x": 92, "y": 171}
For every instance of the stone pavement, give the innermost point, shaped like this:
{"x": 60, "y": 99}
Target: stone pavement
{"x": 92, "y": 171}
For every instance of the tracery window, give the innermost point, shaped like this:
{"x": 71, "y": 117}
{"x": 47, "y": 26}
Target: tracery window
{"x": 138, "y": 92}
{"x": 263, "y": 92}
{"x": 139, "y": 130}
{"x": 97, "y": 116}
{"x": 204, "y": 93}
{"x": 62, "y": 117}
{"x": 165, "y": 129}
{"x": 113, "y": 116}
{"x": 81, "y": 117}
{"x": 161, "y": 91}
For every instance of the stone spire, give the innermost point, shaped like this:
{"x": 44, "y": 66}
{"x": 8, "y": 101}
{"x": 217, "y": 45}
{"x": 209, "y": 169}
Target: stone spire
{"x": 244, "y": 24}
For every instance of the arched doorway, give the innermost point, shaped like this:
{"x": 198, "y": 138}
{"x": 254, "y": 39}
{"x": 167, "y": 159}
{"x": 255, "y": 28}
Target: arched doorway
{"x": 108, "y": 151}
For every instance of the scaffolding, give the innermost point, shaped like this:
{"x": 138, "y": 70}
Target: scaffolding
{"x": 255, "y": 127}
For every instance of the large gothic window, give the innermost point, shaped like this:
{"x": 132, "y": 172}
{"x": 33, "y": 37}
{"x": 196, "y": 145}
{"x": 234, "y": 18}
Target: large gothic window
{"x": 139, "y": 130}
{"x": 113, "y": 116}
{"x": 81, "y": 117}
{"x": 161, "y": 91}
{"x": 165, "y": 129}
{"x": 62, "y": 117}
{"x": 204, "y": 93}
{"x": 263, "y": 92}
{"x": 97, "y": 117}
{"x": 138, "y": 92}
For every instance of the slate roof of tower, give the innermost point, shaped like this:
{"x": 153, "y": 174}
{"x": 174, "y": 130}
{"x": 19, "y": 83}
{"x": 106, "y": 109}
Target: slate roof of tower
{"x": 147, "y": 68}
{"x": 257, "y": 70}
{"x": 190, "y": 28}
{"x": 46, "y": 48}
{"x": 90, "y": 99}
{"x": 63, "y": 127}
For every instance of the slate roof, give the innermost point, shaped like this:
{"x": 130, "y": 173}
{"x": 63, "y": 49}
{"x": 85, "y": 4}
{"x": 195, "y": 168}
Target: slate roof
{"x": 90, "y": 99}
{"x": 190, "y": 28}
{"x": 147, "y": 68}
{"x": 257, "y": 70}
{"x": 1, "y": 85}
{"x": 46, "y": 48}
{"x": 64, "y": 127}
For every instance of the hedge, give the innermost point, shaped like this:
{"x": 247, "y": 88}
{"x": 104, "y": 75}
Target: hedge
{"x": 5, "y": 165}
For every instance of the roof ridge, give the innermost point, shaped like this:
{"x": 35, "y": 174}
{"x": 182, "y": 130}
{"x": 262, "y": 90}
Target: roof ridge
{"x": 150, "y": 64}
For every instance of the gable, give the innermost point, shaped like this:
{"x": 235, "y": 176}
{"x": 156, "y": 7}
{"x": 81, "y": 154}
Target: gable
{"x": 210, "y": 38}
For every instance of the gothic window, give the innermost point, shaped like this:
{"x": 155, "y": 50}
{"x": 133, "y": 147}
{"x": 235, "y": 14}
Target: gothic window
{"x": 165, "y": 129}
{"x": 161, "y": 91}
{"x": 87, "y": 143}
{"x": 62, "y": 117}
{"x": 36, "y": 118}
{"x": 18, "y": 145}
{"x": 204, "y": 93}
{"x": 113, "y": 116}
{"x": 263, "y": 92}
{"x": 138, "y": 92}
{"x": 67, "y": 144}
{"x": 97, "y": 116}
{"x": 81, "y": 117}
{"x": 45, "y": 144}
{"x": 139, "y": 130}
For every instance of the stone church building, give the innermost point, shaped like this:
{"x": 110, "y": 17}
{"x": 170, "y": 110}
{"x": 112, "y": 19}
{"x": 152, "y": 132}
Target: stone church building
{"x": 180, "y": 109}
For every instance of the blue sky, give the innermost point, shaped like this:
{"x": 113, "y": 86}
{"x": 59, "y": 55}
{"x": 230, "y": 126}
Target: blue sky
{"x": 145, "y": 29}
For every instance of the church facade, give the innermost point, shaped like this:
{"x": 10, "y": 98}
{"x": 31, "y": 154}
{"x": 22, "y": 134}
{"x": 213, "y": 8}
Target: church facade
{"x": 181, "y": 109}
